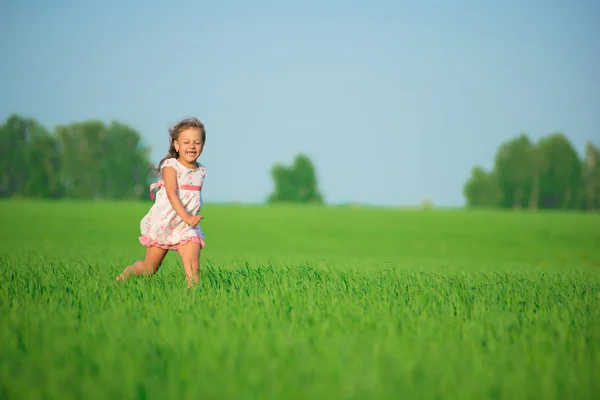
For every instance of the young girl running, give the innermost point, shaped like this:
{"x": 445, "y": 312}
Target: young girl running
{"x": 172, "y": 222}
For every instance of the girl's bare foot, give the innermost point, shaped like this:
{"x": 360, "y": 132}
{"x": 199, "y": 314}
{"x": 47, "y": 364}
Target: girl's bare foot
{"x": 125, "y": 274}
{"x": 191, "y": 285}
{"x": 149, "y": 266}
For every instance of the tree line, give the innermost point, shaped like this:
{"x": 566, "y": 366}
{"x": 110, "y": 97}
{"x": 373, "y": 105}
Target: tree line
{"x": 93, "y": 160}
{"x": 81, "y": 160}
{"x": 547, "y": 174}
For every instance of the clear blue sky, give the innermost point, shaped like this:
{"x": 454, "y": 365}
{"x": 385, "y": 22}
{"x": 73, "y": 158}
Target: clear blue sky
{"x": 394, "y": 101}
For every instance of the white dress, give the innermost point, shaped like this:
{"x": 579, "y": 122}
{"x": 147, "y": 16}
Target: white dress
{"x": 161, "y": 226}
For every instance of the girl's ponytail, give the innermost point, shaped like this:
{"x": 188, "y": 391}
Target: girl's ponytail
{"x": 172, "y": 153}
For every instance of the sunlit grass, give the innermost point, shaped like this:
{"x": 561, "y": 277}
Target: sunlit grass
{"x": 302, "y": 302}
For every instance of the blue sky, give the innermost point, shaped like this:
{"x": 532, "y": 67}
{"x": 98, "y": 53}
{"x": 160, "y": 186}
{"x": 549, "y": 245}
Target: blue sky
{"x": 394, "y": 101}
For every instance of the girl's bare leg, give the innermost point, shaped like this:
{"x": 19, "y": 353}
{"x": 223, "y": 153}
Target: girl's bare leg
{"x": 149, "y": 266}
{"x": 190, "y": 257}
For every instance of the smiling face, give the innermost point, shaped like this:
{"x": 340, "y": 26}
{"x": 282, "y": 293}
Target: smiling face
{"x": 189, "y": 144}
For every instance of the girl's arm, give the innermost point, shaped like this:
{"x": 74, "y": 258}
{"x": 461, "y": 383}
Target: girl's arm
{"x": 170, "y": 178}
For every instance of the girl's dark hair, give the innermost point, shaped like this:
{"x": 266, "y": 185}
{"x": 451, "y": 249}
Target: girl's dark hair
{"x": 174, "y": 133}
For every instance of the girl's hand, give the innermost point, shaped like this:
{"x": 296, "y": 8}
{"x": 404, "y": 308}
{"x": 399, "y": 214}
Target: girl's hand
{"x": 193, "y": 220}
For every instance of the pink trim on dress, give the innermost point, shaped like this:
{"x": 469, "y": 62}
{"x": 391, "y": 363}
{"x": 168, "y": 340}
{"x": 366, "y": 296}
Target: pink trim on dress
{"x": 146, "y": 241}
{"x": 161, "y": 183}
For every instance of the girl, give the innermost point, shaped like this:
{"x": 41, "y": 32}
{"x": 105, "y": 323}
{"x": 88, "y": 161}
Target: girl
{"x": 172, "y": 222}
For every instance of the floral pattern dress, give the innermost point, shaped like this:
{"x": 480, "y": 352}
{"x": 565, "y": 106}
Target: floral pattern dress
{"x": 161, "y": 226}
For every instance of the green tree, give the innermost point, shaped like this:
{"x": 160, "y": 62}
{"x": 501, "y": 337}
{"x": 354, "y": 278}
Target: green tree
{"x": 29, "y": 159}
{"x": 561, "y": 180}
{"x": 83, "y": 157}
{"x": 591, "y": 177}
{"x": 297, "y": 183}
{"x": 125, "y": 173}
{"x": 547, "y": 174}
{"x": 80, "y": 160}
{"x": 13, "y": 168}
{"x": 537, "y": 165}
{"x": 42, "y": 157}
{"x": 102, "y": 161}
{"x": 513, "y": 166}
{"x": 482, "y": 189}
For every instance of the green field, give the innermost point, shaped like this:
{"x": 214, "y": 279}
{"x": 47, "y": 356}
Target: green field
{"x": 302, "y": 303}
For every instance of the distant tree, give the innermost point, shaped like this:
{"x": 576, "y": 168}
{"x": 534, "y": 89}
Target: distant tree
{"x": 537, "y": 164}
{"x": 126, "y": 175}
{"x": 297, "y": 184}
{"x": 29, "y": 159}
{"x": 591, "y": 177}
{"x": 13, "y": 168}
{"x": 102, "y": 161}
{"x": 42, "y": 157}
{"x": 513, "y": 166}
{"x": 561, "y": 180}
{"x": 547, "y": 174}
{"x": 80, "y": 160}
{"x": 482, "y": 189}
{"x": 83, "y": 157}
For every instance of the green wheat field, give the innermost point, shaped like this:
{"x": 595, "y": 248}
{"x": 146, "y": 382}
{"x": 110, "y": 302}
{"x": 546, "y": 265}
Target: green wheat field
{"x": 301, "y": 302}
